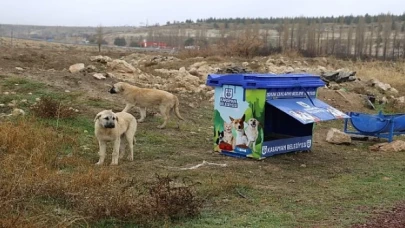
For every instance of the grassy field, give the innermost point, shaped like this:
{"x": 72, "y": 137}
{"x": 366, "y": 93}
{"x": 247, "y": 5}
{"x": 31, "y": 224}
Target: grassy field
{"x": 48, "y": 177}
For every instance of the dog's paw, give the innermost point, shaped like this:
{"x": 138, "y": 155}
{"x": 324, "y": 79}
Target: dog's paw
{"x": 160, "y": 126}
{"x": 130, "y": 158}
{"x": 99, "y": 163}
{"x": 141, "y": 120}
{"x": 113, "y": 164}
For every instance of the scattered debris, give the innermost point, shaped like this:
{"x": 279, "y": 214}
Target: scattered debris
{"x": 100, "y": 59}
{"x": 339, "y": 76}
{"x": 99, "y": 76}
{"x": 199, "y": 165}
{"x": 160, "y": 58}
{"x": 233, "y": 70}
{"x": 19, "y": 68}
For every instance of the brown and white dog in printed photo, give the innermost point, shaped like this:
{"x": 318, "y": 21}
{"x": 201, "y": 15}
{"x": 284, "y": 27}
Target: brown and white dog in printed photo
{"x": 241, "y": 139}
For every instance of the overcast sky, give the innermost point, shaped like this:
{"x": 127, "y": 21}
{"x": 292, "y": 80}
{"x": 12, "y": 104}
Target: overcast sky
{"x": 135, "y": 12}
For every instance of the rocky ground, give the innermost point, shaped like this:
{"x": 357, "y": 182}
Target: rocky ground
{"x": 72, "y": 70}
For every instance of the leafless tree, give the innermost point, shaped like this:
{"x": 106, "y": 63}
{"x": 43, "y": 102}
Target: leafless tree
{"x": 349, "y": 41}
{"x": 320, "y": 31}
{"x": 292, "y": 36}
{"x": 333, "y": 39}
{"x": 371, "y": 39}
{"x": 300, "y": 33}
{"x": 286, "y": 30}
{"x": 359, "y": 38}
{"x": 395, "y": 41}
{"x": 311, "y": 40}
{"x": 386, "y": 34}
{"x": 99, "y": 36}
{"x": 379, "y": 36}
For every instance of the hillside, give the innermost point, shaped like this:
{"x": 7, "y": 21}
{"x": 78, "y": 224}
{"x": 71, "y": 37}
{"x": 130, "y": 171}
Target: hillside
{"x": 346, "y": 36}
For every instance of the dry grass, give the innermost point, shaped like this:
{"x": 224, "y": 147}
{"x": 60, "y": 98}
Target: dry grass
{"x": 388, "y": 72}
{"x": 45, "y": 182}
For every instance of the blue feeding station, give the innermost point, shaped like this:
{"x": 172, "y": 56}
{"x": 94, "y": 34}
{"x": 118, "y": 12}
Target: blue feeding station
{"x": 376, "y": 125}
{"x": 261, "y": 115}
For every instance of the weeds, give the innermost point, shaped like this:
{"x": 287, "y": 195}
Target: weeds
{"x": 42, "y": 185}
{"x": 48, "y": 107}
{"x": 174, "y": 201}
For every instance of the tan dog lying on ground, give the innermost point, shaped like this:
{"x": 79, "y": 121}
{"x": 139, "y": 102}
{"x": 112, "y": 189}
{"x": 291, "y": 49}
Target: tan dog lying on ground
{"x": 114, "y": 127}
{"x": 143, "y": 98}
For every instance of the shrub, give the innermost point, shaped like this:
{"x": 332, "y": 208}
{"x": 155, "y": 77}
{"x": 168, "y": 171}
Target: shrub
{"x": 120, "y": 41}
{"x": 48, "y": 107}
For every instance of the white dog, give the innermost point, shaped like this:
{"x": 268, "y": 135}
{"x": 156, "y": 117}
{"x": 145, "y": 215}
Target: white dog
{"x": 113, "y": 127}
{"x": 252, "y": 132}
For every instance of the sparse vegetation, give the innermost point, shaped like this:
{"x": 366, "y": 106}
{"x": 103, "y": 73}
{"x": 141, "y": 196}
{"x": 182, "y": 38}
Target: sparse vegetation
{"x": 47, "y": 107}
{"x": 48, "y": 177}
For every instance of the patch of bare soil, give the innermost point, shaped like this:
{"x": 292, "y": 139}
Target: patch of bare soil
{"x": 394, "y": 218}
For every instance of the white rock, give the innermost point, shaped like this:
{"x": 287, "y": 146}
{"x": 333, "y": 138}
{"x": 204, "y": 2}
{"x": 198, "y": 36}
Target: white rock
{"x": 395, "y": 146}
{"x": 78, "y": 67}
{"x": 99, "y": 76}
{"x": 336, "y": 136}
{"x": 393, "y": 90}
{"x": 19, "y": 69}
{"x": 121, "y": 66}
{"x": 18, "y": 112}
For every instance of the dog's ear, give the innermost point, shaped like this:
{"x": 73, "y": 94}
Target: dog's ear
{"x": 97, "y": 117}
{"x": 231, "y": 118}
{"x": 243, "y": 118}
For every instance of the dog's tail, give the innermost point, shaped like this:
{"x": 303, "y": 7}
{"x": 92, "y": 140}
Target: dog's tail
{"x": 176, "y": 108}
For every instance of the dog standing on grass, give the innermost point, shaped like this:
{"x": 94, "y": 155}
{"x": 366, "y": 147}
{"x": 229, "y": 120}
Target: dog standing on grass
{"x": 114, "y": 127}
{"x": 143, "y": 98}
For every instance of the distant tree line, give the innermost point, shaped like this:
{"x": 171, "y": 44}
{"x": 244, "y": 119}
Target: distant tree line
{"x": 308, "y": 20}
{"x": 381, "y": 36}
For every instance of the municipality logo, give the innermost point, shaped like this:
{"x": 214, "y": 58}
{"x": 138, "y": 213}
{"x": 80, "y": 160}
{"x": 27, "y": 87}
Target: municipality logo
{"x": 227, "y": 100}
{"x": 228, "y": 93}
{"x": 309, "y": 143}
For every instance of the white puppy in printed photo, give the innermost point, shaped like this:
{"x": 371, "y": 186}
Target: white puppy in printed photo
{"x": 252, "y": 133}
